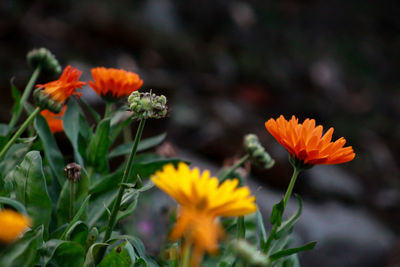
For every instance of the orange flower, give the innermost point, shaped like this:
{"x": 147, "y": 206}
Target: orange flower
{"x": 114, "y": 83}
{"x": 13, "y": 224}
{"x": 305, "y": 143}
{"x": 54, "y": 120}
{"x": 61, "y": 89}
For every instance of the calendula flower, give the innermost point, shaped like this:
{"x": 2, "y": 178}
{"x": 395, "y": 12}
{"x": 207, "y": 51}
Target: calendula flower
{"x": 53, "y": 95}
{"x": 202, "y": 199}
{"x": 54, "y": 120}
{"x": 305, "y": 143}
{"x": 12, "y": 225}
{"x": 113, "y": 83}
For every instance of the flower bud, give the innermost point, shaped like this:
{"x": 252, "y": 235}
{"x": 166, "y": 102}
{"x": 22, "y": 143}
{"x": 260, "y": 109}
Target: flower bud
{"x": 45, "y": 59}
{"x": 257, "y": 152}
{"x": 147, "y": 105}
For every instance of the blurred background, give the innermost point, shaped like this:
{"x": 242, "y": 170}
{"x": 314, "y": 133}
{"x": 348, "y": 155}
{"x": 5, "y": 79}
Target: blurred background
{"x": 228, "y": 66}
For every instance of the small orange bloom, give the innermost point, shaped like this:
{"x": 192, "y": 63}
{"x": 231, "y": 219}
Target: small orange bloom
{"x": 305, "y": 143}
{"x": 54, "y": 120}
{"x": 13, "y": 224}
{"x": 114, "y": 83}
{"x": 61, "y": 89}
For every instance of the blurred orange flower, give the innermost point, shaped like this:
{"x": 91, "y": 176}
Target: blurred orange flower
{"x": 61, "y": 89}
{"x": 202, "y": 200}
{"x": 13, "y": 224}
{"x": 54, "y": 120}
{"x": 305, "y": 143}
{"x": 114, "y": 83}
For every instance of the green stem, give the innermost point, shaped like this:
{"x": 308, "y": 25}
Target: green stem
{"x": 241, "y": 229}
{"x": 234, "y": 167}
{"x": 71, "y": 199}
{"x": 128, "y": 166}
{"x": 19, "y": 132}
{"x": 25, "y": 95}
{"x": 107, "y": 112}
{"x": 288, "y": 193}
{"x": 185, "y": 260}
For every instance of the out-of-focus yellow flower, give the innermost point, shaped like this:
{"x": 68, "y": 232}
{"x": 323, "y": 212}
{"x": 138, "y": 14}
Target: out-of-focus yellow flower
{"x": 12, "y": 225}
{"x": 305, "y": 143}
{"x": 113, "y": 83}
{"x": 202, "y": 199}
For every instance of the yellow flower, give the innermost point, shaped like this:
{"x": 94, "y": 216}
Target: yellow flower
{"x": 202, "y": 200}
{"x": 12, "y": 225}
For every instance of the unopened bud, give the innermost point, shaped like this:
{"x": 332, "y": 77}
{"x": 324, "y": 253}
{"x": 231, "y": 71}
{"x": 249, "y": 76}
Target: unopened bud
{"x": 73, "y": 171}
{"x": 257, "y": 152}
{"x": 147, "y": 105}
{"x": 45, "y": 59}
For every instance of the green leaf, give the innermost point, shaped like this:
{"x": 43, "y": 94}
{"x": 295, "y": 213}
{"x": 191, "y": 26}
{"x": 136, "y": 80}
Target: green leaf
{"x": 117, "y": 126}
{"x": 98, "y": 206}
{"x": 98, "y": 147}
{"x": 122, "y": 255}
{"x": 13, "y": 157}
{"x": 78, "y": 233}
{"x": 81, "y": 212}
{"x": 141, "y": 262}
{"x": 147, "y": 143}
{"x": 13, "y": 203}
{"x": 23, "y": 252}
{"x": 288, "y": 224}
{"x": 147, "y": 168}
{"x": 51, "y": 151}
{"x": 71, "y": 127}
{"x": 290, "y": 251}
{"x": 81, "y": 193}
{"x": 277, "y": 212}
{"x": 93, "y": 112}
{"x": 128, "y": 204}
{"x": 31, "y": 189}
{"x": 63, "y": 253}
{"x": 93, "y": 254}
{"x": 261, "y": 228}
{"x": 106, "y": 183}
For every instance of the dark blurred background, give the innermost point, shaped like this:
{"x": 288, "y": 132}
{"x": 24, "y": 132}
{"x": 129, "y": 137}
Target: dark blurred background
{"x": 227, "y": 67}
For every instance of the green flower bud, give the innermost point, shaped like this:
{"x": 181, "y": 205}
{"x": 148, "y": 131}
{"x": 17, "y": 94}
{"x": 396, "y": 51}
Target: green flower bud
{"x": 148, "y": 105}
{"x": 45, "y": 59}
{"x": 257, "y": 152}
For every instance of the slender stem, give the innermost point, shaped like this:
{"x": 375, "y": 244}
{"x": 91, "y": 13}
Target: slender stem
{"x": 19, "y": 132}
{"x": 185, "y": 259}
{"x": 234, "y": 167}
{"x": 25, "y": 95}
{"x": 241, "y": 229}
{"x": 128, "y": 166}
{"x": 289, "y": 190}
{"x": 288, "y": 193}
{"x": 107, "y": 112}
{"x": 71, "y": 199}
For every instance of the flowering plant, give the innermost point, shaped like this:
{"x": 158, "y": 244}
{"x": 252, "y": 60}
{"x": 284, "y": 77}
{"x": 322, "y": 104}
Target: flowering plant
{"x": 66, "y": 210}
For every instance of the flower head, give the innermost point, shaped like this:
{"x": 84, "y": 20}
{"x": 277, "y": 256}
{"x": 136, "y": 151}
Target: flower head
{"x": 202, "y": 200}
{"x": 148, "y": 105}
{"x": 44, "y": 59}
{"x": 54, "y": 120}
{"x": 54, "y": 94}
{"x": 13, "y": 224}
{"x": 305, "y": 143}
{"x": 114, "y": 83}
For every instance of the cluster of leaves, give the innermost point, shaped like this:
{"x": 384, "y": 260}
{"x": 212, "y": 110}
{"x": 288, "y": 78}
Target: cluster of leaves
{"x": 33, "y": 182}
